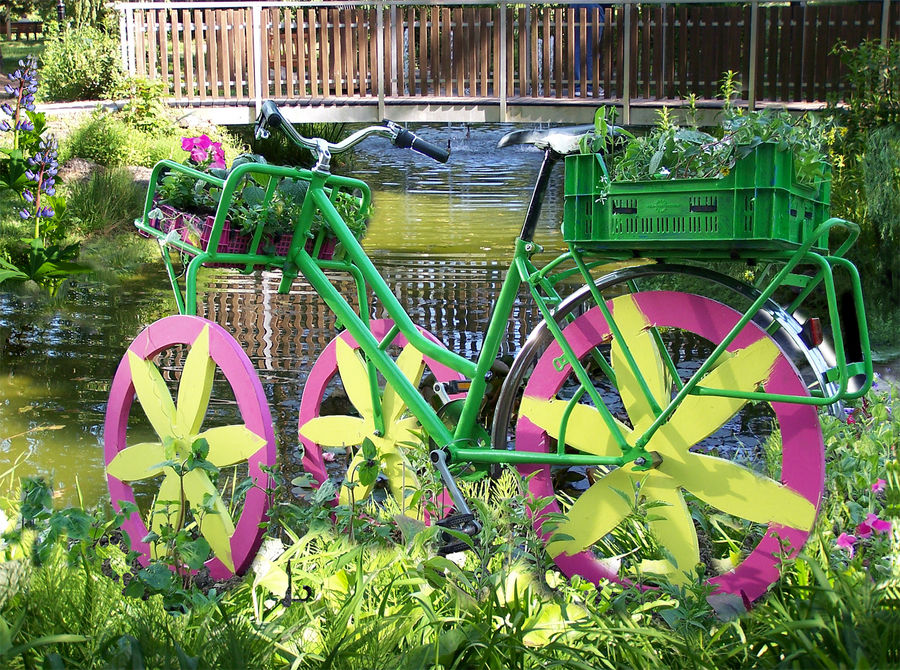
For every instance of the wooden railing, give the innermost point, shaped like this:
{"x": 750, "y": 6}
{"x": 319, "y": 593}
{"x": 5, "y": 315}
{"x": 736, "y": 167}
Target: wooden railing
{"x": 402, "y": 52}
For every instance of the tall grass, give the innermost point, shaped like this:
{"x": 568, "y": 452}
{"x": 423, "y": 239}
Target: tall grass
{"x": 105, "y": 201}
{"x": 387, "y": 601}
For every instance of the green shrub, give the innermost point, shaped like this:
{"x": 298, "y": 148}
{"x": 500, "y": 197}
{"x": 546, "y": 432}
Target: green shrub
{"x": 866, "y": 186}
{"x": 107, "y": 139}
{"x": 106, "y": 200}
{"x": 79, "y": 64}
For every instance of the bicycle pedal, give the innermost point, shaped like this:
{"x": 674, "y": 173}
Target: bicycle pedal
{"x": 461, "y": 523}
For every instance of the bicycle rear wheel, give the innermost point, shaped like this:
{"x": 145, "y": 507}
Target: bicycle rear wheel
{"x": 337, "y": 415}
{"x": 721, "y": 499}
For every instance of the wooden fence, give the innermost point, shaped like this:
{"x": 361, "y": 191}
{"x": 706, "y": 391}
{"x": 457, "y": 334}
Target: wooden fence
{"x": 399, "y": 52}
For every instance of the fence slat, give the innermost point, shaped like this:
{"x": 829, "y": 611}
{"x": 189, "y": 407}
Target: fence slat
{"x": 434, "y": 45}
{"x": 251, "y": 55}
{"x": 289, "y": 57}
{"x": 349, "y": 51}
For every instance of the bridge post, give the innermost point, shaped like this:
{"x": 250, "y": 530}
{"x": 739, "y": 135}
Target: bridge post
{"x": 379, "y": 49}
{"x": 754, "y": 50}
{"x": 503, "y": 56}
{"x": 257, "y": 88}
{"x": 885, "y": 22}
{"x": 626, "y": 66}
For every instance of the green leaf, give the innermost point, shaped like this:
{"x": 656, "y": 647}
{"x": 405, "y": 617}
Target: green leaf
{"x": 194, "y": 553}
{"x": 157, "y": 576}
{"x": 367, "y": 472}
{"x": 653, "y": 167}
{"x": 368, "y": 449}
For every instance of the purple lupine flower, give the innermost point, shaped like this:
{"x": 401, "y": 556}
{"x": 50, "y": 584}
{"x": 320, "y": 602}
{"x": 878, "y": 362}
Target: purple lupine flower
{"x": 25, "y": 214}
{"x": 22, "y": 86}
{"x": 28, "y": 195}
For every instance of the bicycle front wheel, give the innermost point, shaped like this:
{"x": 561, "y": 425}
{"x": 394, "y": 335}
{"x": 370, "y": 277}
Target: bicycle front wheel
{"x": 739, "y": 483}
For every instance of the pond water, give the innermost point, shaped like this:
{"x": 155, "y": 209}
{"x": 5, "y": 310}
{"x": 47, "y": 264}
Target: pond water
{"x": 440, "y": 233}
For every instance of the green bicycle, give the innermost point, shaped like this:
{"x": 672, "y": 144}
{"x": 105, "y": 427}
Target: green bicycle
{"x": 655, "y": 427}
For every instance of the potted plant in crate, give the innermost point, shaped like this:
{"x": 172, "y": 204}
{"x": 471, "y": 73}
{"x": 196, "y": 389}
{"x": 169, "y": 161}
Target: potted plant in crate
{"x": 187, "y": 204}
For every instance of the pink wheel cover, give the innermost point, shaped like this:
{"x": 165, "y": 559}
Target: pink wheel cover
{"x": 324, "y": 370}
{"x": 803, "y": 462}
{"x": 254, "y": 409}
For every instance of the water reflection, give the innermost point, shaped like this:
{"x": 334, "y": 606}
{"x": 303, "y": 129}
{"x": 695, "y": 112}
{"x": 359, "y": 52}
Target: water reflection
{"x": 439, "y": 233}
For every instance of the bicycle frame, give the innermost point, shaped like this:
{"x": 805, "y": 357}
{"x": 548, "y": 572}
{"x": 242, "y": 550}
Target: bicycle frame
{"x": 460, "y": 443}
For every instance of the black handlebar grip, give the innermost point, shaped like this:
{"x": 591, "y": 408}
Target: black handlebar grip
{"x": 272, "y": 117}
{"x": 407, "y": 140}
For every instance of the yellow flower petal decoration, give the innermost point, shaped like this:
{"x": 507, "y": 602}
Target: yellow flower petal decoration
{"x": 349, "y": 431}
{"x": 725, "y": 485}
{"x": 178, "y": 425}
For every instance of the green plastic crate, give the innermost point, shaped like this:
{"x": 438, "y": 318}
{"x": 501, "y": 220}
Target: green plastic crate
{"x": 758, "y": 206}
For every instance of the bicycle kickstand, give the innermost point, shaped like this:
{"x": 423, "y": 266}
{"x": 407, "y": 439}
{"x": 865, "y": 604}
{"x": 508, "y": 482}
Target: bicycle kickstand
{"x": 463, "y": 521}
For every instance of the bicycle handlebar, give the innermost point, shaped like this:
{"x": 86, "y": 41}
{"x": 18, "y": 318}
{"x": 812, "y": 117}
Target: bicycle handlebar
{"x": 270, "y": 116}
{"x": 408, "y": 140}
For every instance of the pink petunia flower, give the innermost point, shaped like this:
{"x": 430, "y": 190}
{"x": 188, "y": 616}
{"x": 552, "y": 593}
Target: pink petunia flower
{"x": 200, "y": 148}
{"x": 879, "y": 485}
{"x": 864, "y": 530}
{"x": 876, "y": 524}
{"x": 845, "y": 541}
{"x": 218, "y": 156}
{"x": 327, "y": 456}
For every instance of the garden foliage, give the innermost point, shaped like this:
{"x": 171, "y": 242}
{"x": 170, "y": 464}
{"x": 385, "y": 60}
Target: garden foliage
{"x": 80, "y": 63}
{"x": 29, "y": 170}
{"x": 866, "y": 187}
{"x": 316, "y": 599}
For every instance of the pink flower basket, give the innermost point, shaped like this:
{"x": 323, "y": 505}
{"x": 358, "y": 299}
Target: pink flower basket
{"x": 196, "y": 230}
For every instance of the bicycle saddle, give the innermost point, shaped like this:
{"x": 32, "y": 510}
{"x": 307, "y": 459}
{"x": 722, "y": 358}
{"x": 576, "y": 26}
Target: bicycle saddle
{"x": 561, "y": 140}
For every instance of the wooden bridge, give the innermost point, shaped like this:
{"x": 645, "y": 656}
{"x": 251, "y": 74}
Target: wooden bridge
{"x": 464, "y": 60}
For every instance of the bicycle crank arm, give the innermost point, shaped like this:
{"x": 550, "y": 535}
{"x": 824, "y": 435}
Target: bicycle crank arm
{"x": 439, "y": 458}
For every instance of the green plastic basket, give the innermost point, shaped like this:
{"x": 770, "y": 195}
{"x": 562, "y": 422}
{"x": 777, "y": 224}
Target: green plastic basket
{"x": 758, "y": 206}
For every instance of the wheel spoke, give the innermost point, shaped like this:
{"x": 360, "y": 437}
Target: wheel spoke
{"x": 231, "y": 444}
{"x": 166, "y": 510}
{"x": 638, "y": 336}
{"x": 139, "y": 461}
{"x": 412, "y": 365}
{"x": 216, "y": 525}
{"x": 152, "y": 394}
{"x": 336, "y": 430}
{"x": 698, "y": 417}
{"x": 673, "y": 529}
{"x": 355, "y": 377}
{"x": 585, "y": 429}
{"x": 596, "y": 512}
{"x": 356, "y": 491}
{"x": 401, "y": 477}
{"x": 740, "y": 491}
{"x": 195, "y": 386}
